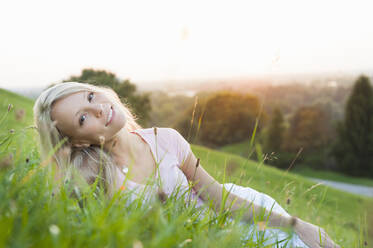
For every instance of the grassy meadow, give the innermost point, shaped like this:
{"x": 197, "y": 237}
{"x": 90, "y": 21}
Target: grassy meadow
{"x": 32, "y": 216}
{"x": 242, "y": 149}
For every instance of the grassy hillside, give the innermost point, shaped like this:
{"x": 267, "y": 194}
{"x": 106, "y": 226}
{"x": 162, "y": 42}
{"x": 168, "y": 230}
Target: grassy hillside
{"x": 16, "y": 118}
{"x": 241, "y": 149}
{"x": 31, "y": 216}
{"x": 342, "y": 214}
{"x": 19, "y": 103}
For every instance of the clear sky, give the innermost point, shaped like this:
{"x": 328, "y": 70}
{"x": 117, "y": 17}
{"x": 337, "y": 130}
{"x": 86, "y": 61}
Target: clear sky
{"x": 46, "y": 41}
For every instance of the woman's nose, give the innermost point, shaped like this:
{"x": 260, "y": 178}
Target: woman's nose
{"x": 97, "y": 110}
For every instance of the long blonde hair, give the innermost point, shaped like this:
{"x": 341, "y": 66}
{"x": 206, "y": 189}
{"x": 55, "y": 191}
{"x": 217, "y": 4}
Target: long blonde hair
{"x": 91, "y": 161}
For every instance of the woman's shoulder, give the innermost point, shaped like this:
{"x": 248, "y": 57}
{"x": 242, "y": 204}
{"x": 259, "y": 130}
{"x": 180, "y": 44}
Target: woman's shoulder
{"x": 166, "y": 136}
{"x": 159, "y": 131}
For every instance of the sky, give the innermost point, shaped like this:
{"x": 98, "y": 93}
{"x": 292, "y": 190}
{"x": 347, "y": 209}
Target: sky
{"x": 44, "y": 42}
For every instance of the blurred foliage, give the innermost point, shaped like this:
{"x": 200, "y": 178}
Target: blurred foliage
{"x": 127, "y": 91}
{"x": 221, "y": 118}
{"x": 310, "y": 115}
{"x": 354, "y": 147}
{"x": 166, "y": 109}
{"x": 310, "y": 129}
{"x": 274, "y": 138}
{"x": 290, "y": 97}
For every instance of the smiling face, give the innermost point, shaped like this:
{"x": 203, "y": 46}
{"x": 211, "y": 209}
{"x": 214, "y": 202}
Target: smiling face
{"x": 85, "y": 116}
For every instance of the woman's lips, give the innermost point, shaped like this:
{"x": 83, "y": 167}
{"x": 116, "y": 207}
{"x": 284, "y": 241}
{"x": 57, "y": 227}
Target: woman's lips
{"x": 110, "y": 116}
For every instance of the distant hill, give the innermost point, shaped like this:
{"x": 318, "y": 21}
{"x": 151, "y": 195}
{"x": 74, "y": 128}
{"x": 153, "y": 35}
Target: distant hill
{"x": 31, "y": 93}
{"x": 19, "y": 104}
{"x": 18, "y": 120}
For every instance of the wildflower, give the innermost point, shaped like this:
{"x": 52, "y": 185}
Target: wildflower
{"x": 54, "y": 230}
{"x": 10, "y": 106}
{"x": 137, "y": 244}
{"x": 122, "y": 187}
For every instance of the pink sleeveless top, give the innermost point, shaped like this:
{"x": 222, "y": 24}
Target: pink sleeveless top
{"x": 169, "y": 149}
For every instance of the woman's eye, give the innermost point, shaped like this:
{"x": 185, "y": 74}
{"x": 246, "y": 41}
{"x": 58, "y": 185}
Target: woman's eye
{"x": 90, "y": 96}
{"x": 82, "y": 119}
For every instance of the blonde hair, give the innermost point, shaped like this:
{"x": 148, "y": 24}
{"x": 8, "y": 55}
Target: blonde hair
{"x": 90, "y": 162}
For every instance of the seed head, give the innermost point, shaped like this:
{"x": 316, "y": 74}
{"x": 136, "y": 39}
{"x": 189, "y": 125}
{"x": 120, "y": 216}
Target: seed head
{"x": 288, "y": 201}
{"x": 155, "y": 131}
{"x": 11, "y": 130}
{"x": 27, "y": 160}
{"x": 10, "y": 106}
{"x": 162, "y": 196}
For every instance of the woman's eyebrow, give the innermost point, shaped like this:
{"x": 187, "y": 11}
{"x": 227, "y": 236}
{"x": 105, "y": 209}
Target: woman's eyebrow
{"x": 84, "y": 97}
{"x": 77, "y": 113}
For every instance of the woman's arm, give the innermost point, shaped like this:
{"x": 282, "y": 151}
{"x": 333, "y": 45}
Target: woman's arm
{"x": 209, "y": 188}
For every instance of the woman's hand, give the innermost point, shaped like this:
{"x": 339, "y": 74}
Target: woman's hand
{"x": 313, "y": 236}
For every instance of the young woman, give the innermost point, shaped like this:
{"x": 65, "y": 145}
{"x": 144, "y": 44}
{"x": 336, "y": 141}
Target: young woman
{"x": 92, "y": 119}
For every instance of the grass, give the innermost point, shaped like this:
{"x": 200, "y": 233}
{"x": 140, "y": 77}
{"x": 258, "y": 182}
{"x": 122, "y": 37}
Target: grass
{"x": 241, "y": 149}
{"x": 341, "y": 214}
{"x": 30, "y": 216}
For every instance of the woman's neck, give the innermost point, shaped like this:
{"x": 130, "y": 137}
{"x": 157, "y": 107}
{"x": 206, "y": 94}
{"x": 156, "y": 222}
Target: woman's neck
{"x": 124, "y": 148}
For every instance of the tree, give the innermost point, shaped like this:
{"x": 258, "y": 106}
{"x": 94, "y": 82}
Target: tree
{"x": 222, "y": 118}
{"x": 275, "y": 133}
{"x": 310, "y": 129}
{"x": 354, "y": 147}
{"x": 127, "y": 92}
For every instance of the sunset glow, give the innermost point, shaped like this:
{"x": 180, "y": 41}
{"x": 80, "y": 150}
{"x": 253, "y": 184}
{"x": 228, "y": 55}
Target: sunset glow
{"x": 44, "y": 41}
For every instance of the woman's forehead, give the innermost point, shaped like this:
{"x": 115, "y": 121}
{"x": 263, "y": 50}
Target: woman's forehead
{"x": 64, "y": 109}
